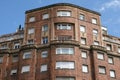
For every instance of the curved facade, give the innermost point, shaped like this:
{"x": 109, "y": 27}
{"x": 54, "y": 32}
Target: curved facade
{"x": 61, "y": 42}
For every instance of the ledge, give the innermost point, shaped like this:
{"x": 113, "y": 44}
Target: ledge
{"x": 98, "y": 47}
{"x": 28, "y": 46}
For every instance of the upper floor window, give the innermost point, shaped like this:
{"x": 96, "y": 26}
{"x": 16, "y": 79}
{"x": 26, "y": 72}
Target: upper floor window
{"x": 64, "y": 51}
{"x": 85, "y": 68}
{"x": 82, "y": 17}
{"x": 65, "y": 65}
{"x": 27, "y": 55}
{"x": 13, "y": 72}
{"x": 112, "y": 73}
{"x": 84, "y": 54}
{"x": 45, "y": 16}
{"x": 44, "y": 54}
{"x": 100, "y": 56}
{"x": 43, "y": 68}
{"x": 110, "y": 60}
{"x": 44, "y": 40}
{"x": 31, "y": 31}
{"x": 118, "y": 49}
{"x": 31, "y": 19}
{"x": 102, "y": 70}
{"x": 83, "y": 40}
{"x": 30, "y": 41}
{"x": 16, "y": 45}
{"x": 1, "y": 59}
{"x": 64, "y": 13}
{"x": 4, "y": 46}
{"x": 96, "y": 42}
{"x": 82, "y": 28}
{"x": 64, "y": 26}
{"x": 65, "y": 37}
{"x": 45, "y": 27}
{"x": 95, "y": 32}
{"x": 15, "y": 58}
{"x": 109, "y": 47}
{"x": 65, "y": 78}
{"x": 94, "y": 20}
{"x": 25, "y": 69}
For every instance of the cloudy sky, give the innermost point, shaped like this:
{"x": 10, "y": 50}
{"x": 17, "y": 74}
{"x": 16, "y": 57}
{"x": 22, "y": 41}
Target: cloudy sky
{"x": 13, "y": 12}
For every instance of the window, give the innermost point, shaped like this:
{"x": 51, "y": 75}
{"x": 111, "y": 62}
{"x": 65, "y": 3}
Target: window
{"x": 102, "y": 70}
{"x": 84, "y": 68}
{"x": 44, "y": 54}
{"x": 84, "y": 54}
{"x": 44, "y": 40}
{"x": 4, "y": 46}
{"x": 31, "y": 31}
{"x": 118, "y": 49}
{"x": 43, "y": 68}
{"x": 25, "y": 69}
{"x": 83, "y": 40}
{"x": 31, "y": 19}
{"x": 82, "y": 28}
{"x": 13, "y": 72}
{"x": 30, "y": 41}
{"x": 45, "y": 16}
{"x": 112, "y": 73}
{"x": 96, "y": 43}
{"x": 27, "y": 55}
{"x": 64, "y": 51}
{"x": 65, "y": 65}
{"x": 108, "y": 46}
{"x": 65, "y": 78}
{"x": 1, "y": 59}
{"x": 100, "y": 56}
{"x": 45, "y": 27}
{"x": 65, "y": 37}
{"x": 95, "y": 32}
{"x": 64, "y": 26}
{"x": 94, "y": 21}
{"x": 82, "y": 17}
{"x": 110, "y": 60}
{"x": 15, "y": 58}
{"x": 64, "y": 13}
{"x": 16, "y": 45}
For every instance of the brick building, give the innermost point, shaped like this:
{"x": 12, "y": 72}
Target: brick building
{"x": 60, "y": 42}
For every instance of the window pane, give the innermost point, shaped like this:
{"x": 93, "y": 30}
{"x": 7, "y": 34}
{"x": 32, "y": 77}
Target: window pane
{"x": 96, "y": 43}
{"x": 110, "y": 60}
{"x": 64, "y": 51}
{"x": 25, "y": 69}
{"x": 43, "y": 68}
{"x": 100, "y": 56}
{"x": 14, "y": 71}
{"x": 84, "y": 54}
{"x": 65, "y": 78}
{"x": 82, "y": 28}
{"x": 31, "y": 31}
{"x": 94, "y": 21}
{"x": 64, "y": 26}
{"x": 45, "y": 28}
{"x": 32, "y": 19}
{"x": 112, "y": 73}
{"x": 64, "y": 65}
{"x": 44, "y": 54}
{"x": 118, "y": 50}
{"x": 84, "y": 68}
{"x": 1, "y": 59}
{"x": 83, "y": 41}
{"x": 63, "y": 13}
{"x": 95, "y": 32}
{"x": 15, "y": 58}
{"x": 27, "y": 55}
{"x": 102, "y": 70}
{"x": 44, "y": 40}
{"x": 45, "y": 16}
{"x": 82, "y": 17}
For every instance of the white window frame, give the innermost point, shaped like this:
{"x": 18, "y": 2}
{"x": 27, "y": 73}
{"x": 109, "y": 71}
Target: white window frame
{"x": 84, "y": 54}
{"x": 25, "y": 69}
{"x": 100, "y": 56}
{"x": 95, "y": 32}
{"x": 64, "y": 26}
{"x": 45, "y": 28}
{"x": 82, "y": 28}
{"x": 102, "y": 70}
{"x": 83, "y": 41}
{"x": 43, "y": 68}
{"x": 62, "y": 50}
{"x": 16, "y": 45}
{"x": 118, "y": 49}
{"x": 82, "y": 17}
{"x": 63, "y": 13}
{"x": 45, "y": 16}
{"x": 108, "y": 47}
{"x": 31, "y": 19}
{"x": 110, "y": 60}
{"x": 31, "y": 31}
{"x": 94, "y": 20}
{"x": 96, "y": 43}
{"x": 27, "y": 55}
{"x": 65, "y": 65}
{"x": 85, "y": 68}
{"x": 112, "y": 74}
{"x": 44, "y": 54}
{"x": 13, "y": 71}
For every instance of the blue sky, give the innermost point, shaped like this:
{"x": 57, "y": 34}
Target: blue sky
{"x": 13, "y": 12}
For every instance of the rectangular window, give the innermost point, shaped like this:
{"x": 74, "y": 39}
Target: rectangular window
{"x": 94, "y": 21}
{"x": 64, "y": 26}
{"x": 110, "y": 60}
{"x": 43, "y": 68}
{"x": 102, "y": 70}
{"x": 45, "y": 28}
{"x": 82, "y": 17}
{"x": 4, "y": 46}
{"x": 84, "y": 54}
{"x": 27, "y": 55}
{"x": 65, "y": 37}
{"x": 96, "y": 43}
{"x": 82, "y": 28}
{"x": 65, "y": 65}
{"x": 16, "y": 45}
{"x": 30, "y": 41}
{"x": 25, "y": 69}
{"x": 118, "y": 49}
{"x": 95, "y": 32}
{"x": 65, "y": 78}
{"x": 1, "y": 59}
{"x": 44, "y": 40}
{"x": 112, "y": 73}
{"x": 15, "y": 58}
{"x": 83, "y": 40}
{"x": 45, "y": 16}
{"x": 109, "y": 47}
{"x": 64, "y": 51}
{"x": 44, "y": 54}
{"x": 31, "y": 31}
{"x": 31, "y": 19}
{"x": 64, "y": 13}
{"x": 100, "y": 56}
{"x": 85, "y": 68}
{"x": 13, "y": 72}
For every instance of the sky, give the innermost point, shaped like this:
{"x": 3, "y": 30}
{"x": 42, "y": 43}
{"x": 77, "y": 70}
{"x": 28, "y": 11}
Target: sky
{"x": 12, "y": 12}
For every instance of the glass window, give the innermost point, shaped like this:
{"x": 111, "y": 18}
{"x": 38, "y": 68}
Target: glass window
{"x": 83, "y": 40}
{"x": 64, "y": 51}
{"x": 15, "y": 58}
{"x": 31, "y": 19}
{"x": 100, "y": 56}
{"x": 108, "y": 46}
{"x": 82, "y": 28}
{"x": 118, "y": 49}
{"x": 84, "y": 54}
{"x": 43, "y": 68}
{"x": 27, "y": 55}
{"x": 84, "y": 68}
{"x": 102, "y": 70}
{"x": 65, "y": 37}
{"x": 96, "y": 43}
{"x": 45, "y": 27}
{"x": 30, "y": 41}
{"x": 44, "y": 40}
{"x": 4, "y": 46}
{"x": 65, "y": 65}
{"x": 65, "y": 78}
{"x": 25, "y": 69}
{"x": 95, "y": 32}
{"x": 13, "y": 72}
{"x": 44, "y": 54}
{"x": 82, "y": 17}
{"x": 45, "y": 16}
{"x": 64, "y": 26}
{"x": 110, "y": 60}
{"x": 94, "y": 21}
{"x": 112, "y": 73}
{"x": 1, "y": 59}
{"x": 64, "y": 13}
{"x": 16, "y": 45}
{"x": 31, "y": 31}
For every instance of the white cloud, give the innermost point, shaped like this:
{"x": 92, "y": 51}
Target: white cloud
{"x": 111, "y": 4}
